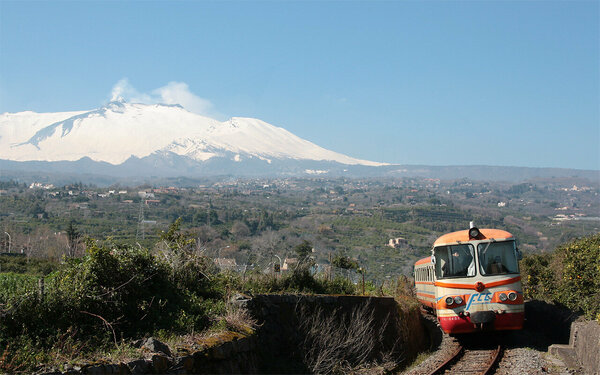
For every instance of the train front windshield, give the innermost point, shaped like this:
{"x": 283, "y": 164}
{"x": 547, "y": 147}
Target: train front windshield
{"x": 496, "y": 258}
{"x": 454, "y": 261}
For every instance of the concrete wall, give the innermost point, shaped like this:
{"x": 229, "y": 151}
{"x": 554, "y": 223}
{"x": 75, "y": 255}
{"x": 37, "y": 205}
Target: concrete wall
{"x": 583, "y": 348}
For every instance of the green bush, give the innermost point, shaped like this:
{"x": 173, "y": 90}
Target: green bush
{"x": 569, "y": 276}
{"x": 118, "y": 292}
{"x": 299, "y": 281}
{"x": 32, "y": 266}
{"x": 113, "y": 292}
{"x": 14, "y": 284}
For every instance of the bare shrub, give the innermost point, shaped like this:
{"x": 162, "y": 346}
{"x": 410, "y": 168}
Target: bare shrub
{"x": 335, "y": 342}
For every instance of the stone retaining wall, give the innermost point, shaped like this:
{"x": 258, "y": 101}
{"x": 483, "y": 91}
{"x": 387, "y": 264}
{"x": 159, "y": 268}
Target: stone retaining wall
{"x": 276, "y": 346}
{"x": 228, "y": 353}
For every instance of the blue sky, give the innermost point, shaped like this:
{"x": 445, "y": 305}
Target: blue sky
{"x": 437, "y": 83}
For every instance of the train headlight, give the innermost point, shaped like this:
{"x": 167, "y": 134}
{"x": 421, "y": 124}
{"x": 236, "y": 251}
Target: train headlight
{"x": 449, "y": 301}
{"x": 503, "y": 297}
{"x": 458, "y": 300}
{"x": 474, "y": 232}
{"x": 512, "y": 296}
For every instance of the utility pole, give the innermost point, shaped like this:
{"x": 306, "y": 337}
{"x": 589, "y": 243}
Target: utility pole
{"x": 330, "y": 266}
{"x": 140, "y": 227}
{"x": 208, "y": 213}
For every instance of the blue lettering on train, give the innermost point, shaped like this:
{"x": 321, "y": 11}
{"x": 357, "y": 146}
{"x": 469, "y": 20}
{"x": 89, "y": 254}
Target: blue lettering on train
{"x": 479, "y": 298}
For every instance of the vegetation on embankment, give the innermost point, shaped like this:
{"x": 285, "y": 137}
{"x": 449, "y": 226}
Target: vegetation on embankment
{"x": 570, "y": 276}
{"x": 97, "y": 305}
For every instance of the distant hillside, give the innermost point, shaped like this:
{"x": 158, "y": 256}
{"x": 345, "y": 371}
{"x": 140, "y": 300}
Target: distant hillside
{"x": 151, "y": 170}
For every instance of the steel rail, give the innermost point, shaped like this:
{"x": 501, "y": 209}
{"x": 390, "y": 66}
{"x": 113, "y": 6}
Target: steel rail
{"x": 460, "y": 353}
{"x": 444, "y": 366}
{"x": 493, "y": 360}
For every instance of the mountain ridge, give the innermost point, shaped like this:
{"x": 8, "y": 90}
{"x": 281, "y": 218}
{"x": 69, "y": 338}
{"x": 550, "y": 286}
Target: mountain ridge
{"x": 123, "y": 140}
{"x": 118, "y": 130}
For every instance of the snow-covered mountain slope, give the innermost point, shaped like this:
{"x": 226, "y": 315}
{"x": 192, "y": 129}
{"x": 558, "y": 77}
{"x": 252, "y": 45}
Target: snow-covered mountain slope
{"x": 119, "y": 131}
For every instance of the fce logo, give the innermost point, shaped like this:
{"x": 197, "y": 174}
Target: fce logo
{"x": 479, "y": 298}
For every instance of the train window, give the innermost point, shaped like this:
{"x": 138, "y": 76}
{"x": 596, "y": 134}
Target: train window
{"x": 454, "y": 261}
{"x": 497, "y": 258}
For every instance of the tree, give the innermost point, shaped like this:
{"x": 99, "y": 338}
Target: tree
{"x": 345, "y": 262}
{"x": 73, "y": 239}
{"x": 240, "y": 229}
{"x": 177, "y": 240}
{"x": 303, "y": 251}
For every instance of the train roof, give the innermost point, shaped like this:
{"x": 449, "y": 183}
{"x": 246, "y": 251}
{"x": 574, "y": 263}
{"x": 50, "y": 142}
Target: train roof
{"x": 463, "y": 236}
{"x": 423, "y": 261}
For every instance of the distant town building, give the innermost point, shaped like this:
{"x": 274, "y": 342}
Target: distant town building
{"x": 397, "y": 242}
{"x": 501, "y": 204}
{"x": 289, "y": 264}
{"x": 39, "y": 185}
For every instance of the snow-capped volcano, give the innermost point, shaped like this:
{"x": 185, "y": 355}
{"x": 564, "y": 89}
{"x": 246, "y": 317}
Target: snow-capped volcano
{"x": 120, "y": 131}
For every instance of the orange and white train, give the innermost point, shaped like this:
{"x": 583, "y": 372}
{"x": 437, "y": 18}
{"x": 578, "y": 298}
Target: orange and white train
{"x": 472, "y": 282}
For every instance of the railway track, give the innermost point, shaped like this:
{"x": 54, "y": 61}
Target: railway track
{"x": 470, "y": 361}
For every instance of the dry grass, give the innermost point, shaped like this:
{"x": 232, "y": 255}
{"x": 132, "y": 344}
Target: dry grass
{"x": 238, "y": 319}
{"x": 334, "y": 343}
